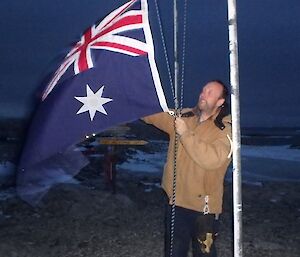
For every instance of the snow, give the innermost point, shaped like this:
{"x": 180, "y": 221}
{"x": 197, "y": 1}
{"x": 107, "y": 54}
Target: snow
{"x": 259, "y": 163}
{"x": 282, "y": 152}
{"x": 144, "y": 162}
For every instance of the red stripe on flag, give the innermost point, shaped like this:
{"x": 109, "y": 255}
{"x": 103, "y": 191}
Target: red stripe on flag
{"x": 121, "y": 47}
{"x": 120, "y": 13}
{"x": 129, "y": 20}
{"x": 82, "y": 60}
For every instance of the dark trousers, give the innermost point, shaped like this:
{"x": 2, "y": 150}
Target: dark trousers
{"x": 191, "y": 226}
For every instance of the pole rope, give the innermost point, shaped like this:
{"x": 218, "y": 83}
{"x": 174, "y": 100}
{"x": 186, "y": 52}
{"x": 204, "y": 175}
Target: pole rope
{"x": 173, "y": 212}
{"x": 177, "y": 112}
{"x": 176, "y": 69}
{"x": 165, "y": 49}
{"x": 178, "y": 109}
{"x": 183, "y": 54}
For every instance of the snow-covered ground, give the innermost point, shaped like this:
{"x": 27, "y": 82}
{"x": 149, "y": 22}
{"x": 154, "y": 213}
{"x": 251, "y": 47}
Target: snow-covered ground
{"x": 141, "y": 161}
{"x": 259, "y": 163}
{"x": 282, "y": 152}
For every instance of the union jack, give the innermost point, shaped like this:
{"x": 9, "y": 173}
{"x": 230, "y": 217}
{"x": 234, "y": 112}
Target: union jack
{"x": 105, "y": 35}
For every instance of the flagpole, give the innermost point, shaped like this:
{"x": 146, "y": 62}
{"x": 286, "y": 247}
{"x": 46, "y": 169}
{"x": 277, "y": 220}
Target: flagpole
{"x": 236, "y": 133}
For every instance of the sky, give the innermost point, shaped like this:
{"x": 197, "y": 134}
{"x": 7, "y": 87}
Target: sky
{"x": 36, "y": 34}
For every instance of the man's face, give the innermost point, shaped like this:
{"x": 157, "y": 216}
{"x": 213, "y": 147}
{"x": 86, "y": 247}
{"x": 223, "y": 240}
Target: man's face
{"x": 209, "y": 98}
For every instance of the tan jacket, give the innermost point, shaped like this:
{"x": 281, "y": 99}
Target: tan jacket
{"x": 202, "y": 161}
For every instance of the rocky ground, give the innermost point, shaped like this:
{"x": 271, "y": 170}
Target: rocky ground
{"x": 88, "y": 220}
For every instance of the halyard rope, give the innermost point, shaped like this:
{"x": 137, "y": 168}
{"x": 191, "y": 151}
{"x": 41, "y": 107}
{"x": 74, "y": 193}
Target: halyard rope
{"x": 165, "y": 49}
{"x": 177, "y": 112}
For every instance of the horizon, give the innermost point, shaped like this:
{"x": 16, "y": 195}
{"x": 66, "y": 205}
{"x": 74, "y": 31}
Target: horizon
{"x": 273, "y": 129}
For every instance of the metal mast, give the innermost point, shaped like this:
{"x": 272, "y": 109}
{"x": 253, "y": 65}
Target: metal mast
{"x": 236, "y": 133}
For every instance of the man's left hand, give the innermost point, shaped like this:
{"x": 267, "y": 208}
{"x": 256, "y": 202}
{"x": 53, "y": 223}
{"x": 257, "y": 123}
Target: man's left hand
{"x": 180, "y": 126}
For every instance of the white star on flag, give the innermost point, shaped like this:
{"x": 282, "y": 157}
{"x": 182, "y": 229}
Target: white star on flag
{"x": 93, "y": 102}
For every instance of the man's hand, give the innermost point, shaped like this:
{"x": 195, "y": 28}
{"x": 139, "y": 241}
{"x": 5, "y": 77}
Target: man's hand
{"x": 180, "y": 126}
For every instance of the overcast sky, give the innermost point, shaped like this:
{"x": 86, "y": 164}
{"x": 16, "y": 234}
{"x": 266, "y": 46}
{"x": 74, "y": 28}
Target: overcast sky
{"x": 34, "y": 34}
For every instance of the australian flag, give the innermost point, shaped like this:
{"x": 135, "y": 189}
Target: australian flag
{"x": 109, "y": 77}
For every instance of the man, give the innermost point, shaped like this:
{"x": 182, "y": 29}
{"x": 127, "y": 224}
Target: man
{"x": 203, "y": 155}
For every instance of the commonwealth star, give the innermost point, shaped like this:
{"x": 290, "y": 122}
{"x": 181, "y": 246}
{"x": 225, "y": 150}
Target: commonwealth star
{"x": 93, "y": 102}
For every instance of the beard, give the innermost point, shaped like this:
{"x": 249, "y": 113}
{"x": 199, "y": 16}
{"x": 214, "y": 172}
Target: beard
{"x": 203, "y": 106}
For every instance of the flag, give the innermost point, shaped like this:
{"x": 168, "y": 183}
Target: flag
{"x": 109, "y": 77}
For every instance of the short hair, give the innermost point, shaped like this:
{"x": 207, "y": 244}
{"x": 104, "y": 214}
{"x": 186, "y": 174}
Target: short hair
{"x": 225, "y": 91}
{"x": 224, "y": 108}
